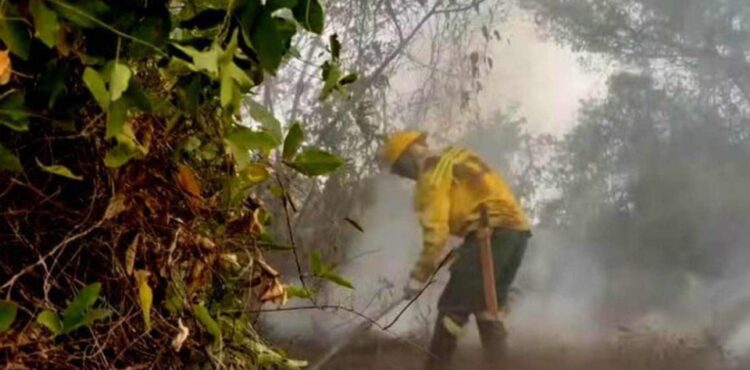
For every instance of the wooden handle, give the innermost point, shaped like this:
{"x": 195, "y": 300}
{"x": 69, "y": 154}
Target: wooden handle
{"x": 487, "y": 263}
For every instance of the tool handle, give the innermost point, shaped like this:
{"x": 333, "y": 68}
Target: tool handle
{"x": 484, "y": 217}
{"x": 487, "y": 263}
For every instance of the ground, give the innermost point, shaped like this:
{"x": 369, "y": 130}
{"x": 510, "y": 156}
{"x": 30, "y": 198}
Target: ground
{"x": 631, "y": 352}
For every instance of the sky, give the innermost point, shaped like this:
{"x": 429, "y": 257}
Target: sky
{"x": 545, "y": 79}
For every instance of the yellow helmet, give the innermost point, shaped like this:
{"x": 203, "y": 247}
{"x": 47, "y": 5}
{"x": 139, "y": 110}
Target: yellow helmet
{"x": 398, "y": 143}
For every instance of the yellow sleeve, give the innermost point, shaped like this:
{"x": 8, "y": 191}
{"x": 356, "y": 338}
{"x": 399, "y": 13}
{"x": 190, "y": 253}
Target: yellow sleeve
{"x": 433, "y": 208}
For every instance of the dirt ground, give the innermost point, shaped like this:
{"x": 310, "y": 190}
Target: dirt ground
{"x": 642, "y": 353}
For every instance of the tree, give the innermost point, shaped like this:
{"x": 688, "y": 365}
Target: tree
{"x": 653, "y": 182}
{"x": 132, "y": 170}
{"x": 709, "y": 39}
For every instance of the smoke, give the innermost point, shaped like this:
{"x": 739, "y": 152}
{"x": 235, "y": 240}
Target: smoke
{"x": 561, "y": 288}
{"x": 572, "y": 291}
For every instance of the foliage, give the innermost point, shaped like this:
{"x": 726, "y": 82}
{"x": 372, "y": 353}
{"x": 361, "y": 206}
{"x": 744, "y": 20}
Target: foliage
{"x": 326, "y": 272}
{"x": 8, "y": 312}
{"x": 145, "y": 296}
{"x": 653, "y": 181}
{"x": 135, "y": 156}
{"x": 79, "y": 313}
{"x": 709, "y": 38}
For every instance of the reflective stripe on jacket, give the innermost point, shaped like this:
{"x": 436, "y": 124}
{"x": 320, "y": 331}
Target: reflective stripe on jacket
{"x": 448, "y": 197}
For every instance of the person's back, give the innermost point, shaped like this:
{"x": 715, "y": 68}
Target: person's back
{"x": 450, "y": 191}
{"x": 473, "y": 183}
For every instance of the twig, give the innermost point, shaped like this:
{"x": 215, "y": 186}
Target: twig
{"x": 414, "y": 299}
{"x": 369, "y": 320}
{"x": 332, "y": 307}
{"x": 291, "y": 236}
{"x": 55, "y": 250}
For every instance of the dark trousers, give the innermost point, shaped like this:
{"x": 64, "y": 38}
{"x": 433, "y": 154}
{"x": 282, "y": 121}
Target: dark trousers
{"x": 464, "y": 296}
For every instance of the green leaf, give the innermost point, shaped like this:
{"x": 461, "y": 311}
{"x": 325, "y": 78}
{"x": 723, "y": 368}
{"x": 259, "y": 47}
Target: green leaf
{"x": 205, "y": 19}
{"x": 336, "y": 279}
{"x": 248, "y": 14}
{"x": 331, "y": 73}
{"x": 46, "y": 23}
{"x": 93, "y": 315}
{"x": 316, "y": 263}
{"x": 268, "y": 358}
{"x": 348, "y": 79}
{"x": 207, "y": 61}
{"x": 335, "y": 46}
{"x": 242, "y": 140}
{"x": 273, "y": 5}
{"x": 53, "y": 81}
{"x": 50, "y": 320}
{"x": 175, "y": 296}
{"x": 254, "y": 174}
{"x": 293, "y": 140}
{"x": 76, "y": 310}
{"x": 233, "y": 82}
{"x": 13, "y": 112}
{"x": 59, "y": 170}
{"x": 315, "y": 162}
{"x": 20, "y": 126}
{"x": 116, "y": 115}
{"x": 13, "y": 105}
{"x": 145, "y": 296}
{"x": 209, "y": 151}
{"x": 309, "y": 14}
{"x": 227, "y": 54}
{"x": 298, "y": 292}
{"x": 15, "y": 35}
{"x": 266, "y": 119}
{"x": 93, "y": 8}
{"x": 229, "y": 92}
{"x": 96, "y": 86}
{"x": 119, "y": 155}
{"x": 287, "y": 29}
{"x": 8, "y": 161}
{"x": 268, "y": 42}
{"x": 242, "y": 79}
{"x": 235, "y": 191}
{"x": 201, "y": 313}
{"x": 118, "y": 81}
{"x": 8, "y": 311}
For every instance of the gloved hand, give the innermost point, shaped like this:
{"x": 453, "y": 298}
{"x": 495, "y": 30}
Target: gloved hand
{"x": 412, "y": 288}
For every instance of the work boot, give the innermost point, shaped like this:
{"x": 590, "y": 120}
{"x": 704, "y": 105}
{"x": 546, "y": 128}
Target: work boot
{"x": 443, "y": 344}
{"x": 494, "y": 341}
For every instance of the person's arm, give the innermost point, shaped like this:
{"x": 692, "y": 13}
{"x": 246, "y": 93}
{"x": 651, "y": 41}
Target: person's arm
{"x": 433, "y": 207}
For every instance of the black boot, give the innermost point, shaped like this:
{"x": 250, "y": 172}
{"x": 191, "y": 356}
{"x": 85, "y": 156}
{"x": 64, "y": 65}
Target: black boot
{"x": 443, "y": 343}
{"x": 494, "y": 341}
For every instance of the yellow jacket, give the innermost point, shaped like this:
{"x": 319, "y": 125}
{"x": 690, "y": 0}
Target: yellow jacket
{"x": 448, "y": 196}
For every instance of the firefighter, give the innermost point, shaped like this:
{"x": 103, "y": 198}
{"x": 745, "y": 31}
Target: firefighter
{"x": 451, "y": 188}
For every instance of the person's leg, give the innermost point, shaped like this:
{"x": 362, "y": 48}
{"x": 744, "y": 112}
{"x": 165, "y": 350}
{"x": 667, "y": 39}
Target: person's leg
{"x": 445, "y": 339}
{"x": 509, "y": 247}
{"x": 508, "y": 250}
{"x": 453, "y": 314}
